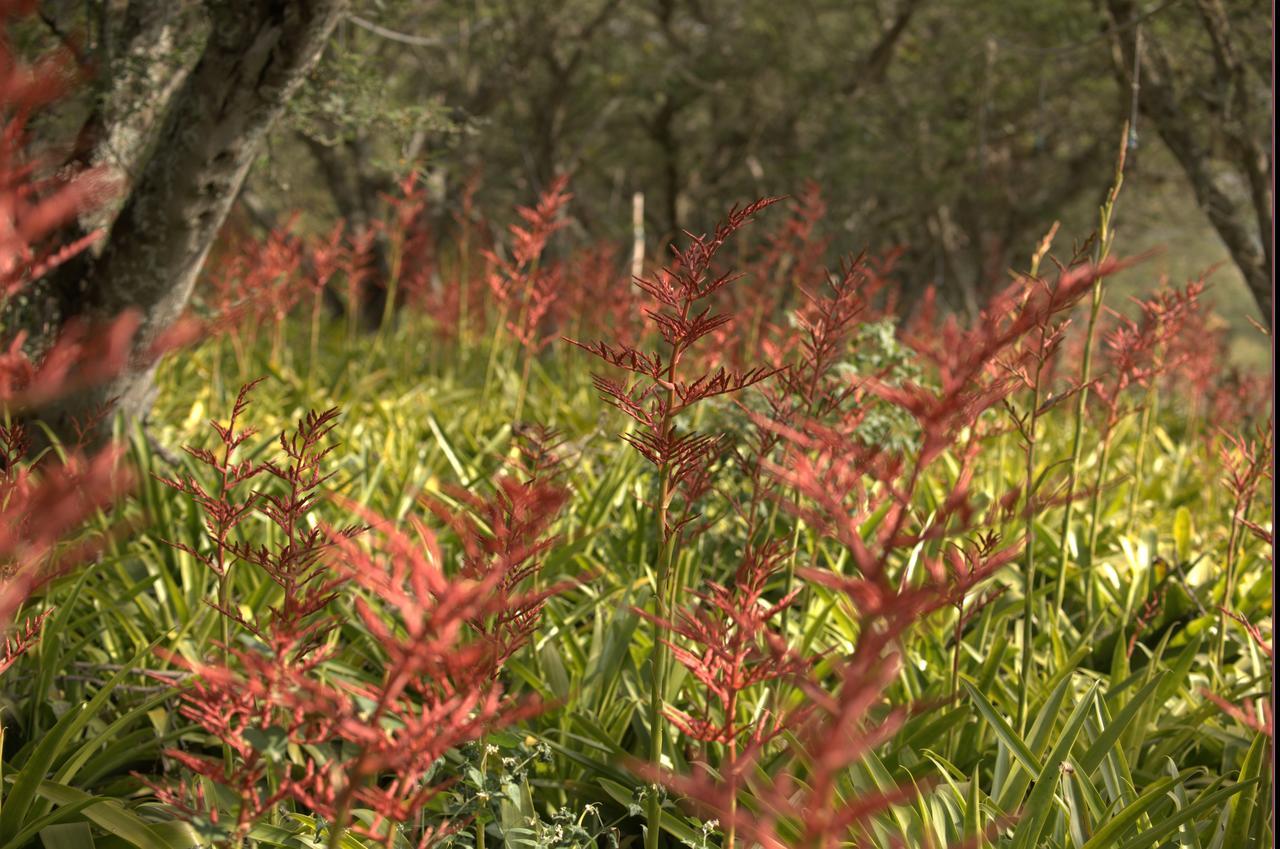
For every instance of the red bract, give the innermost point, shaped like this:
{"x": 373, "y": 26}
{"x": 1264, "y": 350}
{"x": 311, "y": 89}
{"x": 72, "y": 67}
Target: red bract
{"x": 507, "y": 534}
{"x": 32, "y": 207}
{"x": 438, "y": 642}
{"x": 1247, "y": 714}
{"x": 525, "y": 286}
{"x": 1247, "y": 461}
{"x": 978, "y": 367}
{"x": 662, "y": 389}
{"x": 257, "y": 280}
{"x": 799, "y": 804}
{"x": 223, "y": 509}
{"x": 836, "y": 483}
{"x": 41, "y": 507}
{"x": 293, "y": 560}
{"x": 1139, "y": 351}
{"x": 732, "y": 646}
{"x": 413, "y": 245}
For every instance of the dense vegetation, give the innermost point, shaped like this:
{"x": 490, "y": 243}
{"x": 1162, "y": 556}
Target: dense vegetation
{"x": 750, "y": 544}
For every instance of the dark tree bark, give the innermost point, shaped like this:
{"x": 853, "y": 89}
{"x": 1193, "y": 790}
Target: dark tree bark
{"x": 157, "y": 43}
{"x": 257, "y": 54}
{"x": 1243, "y": 219}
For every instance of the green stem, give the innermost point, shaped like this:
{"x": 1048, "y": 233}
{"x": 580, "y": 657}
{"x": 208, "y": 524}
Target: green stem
{"x": 1077, "y": 437}
{"x": 1028, "y": 605}
{"x": 1148, "y": 414}
{"x": 668, "y": 554}
{"x": 1106, "y": 237}
{"x": 315, "y": 341}
{"x": 1228, "y": 588}
{"x": 1095, "y": 514}
{"x": 731, "y": 760}
{"x": 657, "y": 729}
{"x": 523, "y": 391}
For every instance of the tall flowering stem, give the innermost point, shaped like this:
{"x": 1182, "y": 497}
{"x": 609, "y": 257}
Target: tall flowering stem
{"x": 842, "y": 481}
{"x": 523, "y": 288}
{"x": 1106, "y": 237}
{"x": 731, "y": 645}
{"x": 359, "y": 751}
{"x": 1136, "y": 354}
{"x": 1248, "y": 462}
{"x": 659, "y": 389}
{"x": 1030, "y": 366}
{"x": 223, "y": 510}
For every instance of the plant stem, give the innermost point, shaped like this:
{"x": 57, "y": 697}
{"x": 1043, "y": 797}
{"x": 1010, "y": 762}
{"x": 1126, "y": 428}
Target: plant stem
{"x": 657, "y": 730}
{"x": 731, "y": 771}
{"x": 1028, "y": 606}
{"x": 1095, "y": 511}
{"x": 1106, "y": 237}
{"x": 1228, "y": 588}
{"x": 1148, "y": 414}
{"x": 523, "y": 391}
{"x": 956, "y": 639}
{"x": 667, "y": 555}
{"x": 1077, "y": 438}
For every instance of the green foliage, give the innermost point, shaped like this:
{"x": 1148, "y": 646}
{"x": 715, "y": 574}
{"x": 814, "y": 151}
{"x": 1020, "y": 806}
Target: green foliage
{"x": 1122, "y": 751}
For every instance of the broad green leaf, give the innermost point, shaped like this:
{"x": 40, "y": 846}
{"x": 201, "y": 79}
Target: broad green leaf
{"x": 1203, "y": 804}
{"x": 112, "y": 817}
{"x": 1040, "y": 801}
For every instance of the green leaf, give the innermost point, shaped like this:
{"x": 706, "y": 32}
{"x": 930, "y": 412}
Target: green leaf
{"x": 1039, "y": 802}
{"x": 1111, "y": 733}
{"x": 1182, "y": 534}
{"x": 1128, "y": 816}
{"x": 1242, "y": 808}
{"x": 72, "y": 835}
{"x": 1006, "y": 734}
{"x": 1205, "y": 802}
{"x": 112, "y": 817}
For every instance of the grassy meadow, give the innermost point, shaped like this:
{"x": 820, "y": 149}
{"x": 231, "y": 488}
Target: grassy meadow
{"x": 785, "y": 560}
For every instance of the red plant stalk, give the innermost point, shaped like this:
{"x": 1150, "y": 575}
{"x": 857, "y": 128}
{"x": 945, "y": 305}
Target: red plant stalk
{"x": 733, "y": 647}
{"x": 1133, "y": 351}
{"x": 660, "y": 391}
{"x": 1248, "y": 462}
{"x": 1165, "y": 312}
{"x": 1258, "y": 717}
{"x": 792, "y": 256}
{"x": 842, "y": 482}
{"x": 413, "y": 246}
{"x": 520, "y": 285}
{"x": 223, "y": 510}
{"x": 258, "y": 282}
{"x": 509, "y": 533}
{"x": 434, "y": 688}
{"x": 1028, "y": 365}
{"x": 807, "y": 390}
{"x": 295, "y": 562}
{"x": 440, "y": 643}
{"x": 325, "y": 257}
{"x": 1104, "y": 242}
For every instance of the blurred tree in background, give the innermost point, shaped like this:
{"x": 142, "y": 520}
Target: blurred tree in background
{"x": 959, "y": 131}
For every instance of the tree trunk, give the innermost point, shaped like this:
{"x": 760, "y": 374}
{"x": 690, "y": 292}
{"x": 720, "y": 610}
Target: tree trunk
{"x": 1244, "y": 224}
{"x": 257, "y": 54}
{"x": 158, "y": 43}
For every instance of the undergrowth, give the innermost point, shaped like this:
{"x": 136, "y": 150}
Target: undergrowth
{"x": 781, "y": 560}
